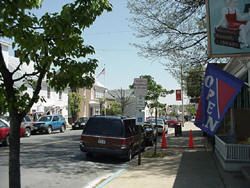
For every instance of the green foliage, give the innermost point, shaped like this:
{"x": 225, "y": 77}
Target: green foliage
{"x": 193, "y": 81}
{"x": 51, "y": 46}
{"x": 74, "y": 103}
{"x": 3, "y": 104}
{"x": 123, "y": 97}
{"x": 154, "y": 92}
{"x": 191, "y": 109}
{"x": 114, "y": 109}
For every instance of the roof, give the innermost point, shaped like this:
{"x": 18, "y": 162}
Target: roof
{"x": 98, "y": 84}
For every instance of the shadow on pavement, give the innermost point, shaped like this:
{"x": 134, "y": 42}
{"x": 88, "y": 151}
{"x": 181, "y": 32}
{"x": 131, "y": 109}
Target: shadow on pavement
{"x": 60, "y": 154}
{"x": 198, "y": 169}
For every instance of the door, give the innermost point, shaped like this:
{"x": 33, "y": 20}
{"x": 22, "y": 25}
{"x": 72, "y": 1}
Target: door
{"x": 56, "y": 123}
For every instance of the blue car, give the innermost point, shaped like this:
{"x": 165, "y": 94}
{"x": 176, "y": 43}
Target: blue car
{"x": 50, "y": 123}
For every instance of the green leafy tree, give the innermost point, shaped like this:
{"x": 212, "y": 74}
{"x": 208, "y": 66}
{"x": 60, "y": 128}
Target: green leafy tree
{"x": 154, "y": 91}
{"x": 191, "y": 109}
{"x": 74, "y": 104}
{"x": 53, "y": 48}
{"x": 193, "y": 82}
{"x": 114, "y": 109}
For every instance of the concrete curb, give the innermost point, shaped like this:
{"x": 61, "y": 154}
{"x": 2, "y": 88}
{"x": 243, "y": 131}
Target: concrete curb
{"x": 110, "y": 178}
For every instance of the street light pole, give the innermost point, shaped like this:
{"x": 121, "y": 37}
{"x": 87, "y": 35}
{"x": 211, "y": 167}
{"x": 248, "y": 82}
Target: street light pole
{"x": 182, "y": 105}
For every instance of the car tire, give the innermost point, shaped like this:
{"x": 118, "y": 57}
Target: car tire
{"x": 27, "y": 132}
{"x": 6, "y": 142}
{"x": 49, "y": 130}
{"x": 62, "y": 129}
{"x": 129, "y": 155}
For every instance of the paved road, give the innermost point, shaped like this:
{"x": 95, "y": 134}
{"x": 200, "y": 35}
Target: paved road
{"x": 55, "y": 161}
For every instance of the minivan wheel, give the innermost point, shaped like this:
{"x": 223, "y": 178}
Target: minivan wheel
{"x": 27, "y": 132}
{"x": 129, "y": 155}
{"x": 49, "y": 130}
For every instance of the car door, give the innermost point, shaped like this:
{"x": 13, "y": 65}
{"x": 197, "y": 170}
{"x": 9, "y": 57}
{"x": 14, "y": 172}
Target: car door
{"x": 55, "y": 122}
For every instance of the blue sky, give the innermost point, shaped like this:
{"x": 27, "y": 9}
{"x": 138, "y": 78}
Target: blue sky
{"x": 111, "y": 37}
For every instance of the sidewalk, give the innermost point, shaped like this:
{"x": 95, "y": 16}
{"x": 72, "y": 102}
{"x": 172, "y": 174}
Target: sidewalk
{"x": 180, "y": 168}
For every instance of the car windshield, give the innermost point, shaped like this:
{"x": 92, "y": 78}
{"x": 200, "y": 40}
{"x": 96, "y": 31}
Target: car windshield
{"x": 82, "y": 119}
{"x": 173, "y": 118}
{"x": 27, "y": 118}
{"x": 104, "y": 127}
{"x": 45, "y": 118}
{"x": 159, "y": 121}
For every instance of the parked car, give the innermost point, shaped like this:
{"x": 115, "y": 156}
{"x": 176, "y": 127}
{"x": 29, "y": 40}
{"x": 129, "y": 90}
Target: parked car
{"x": 50, "y": 123}
{"x": 160, "y": 125}
{"x": 150, "y": 134}
{"x": 80, "y": 123}
{"x": 5, "y": 131}
{"x": 140, "y": 130}
{"x": 27, "y": 124}
{"x": 172, "y": 121}
{"x": 111, "y": 135}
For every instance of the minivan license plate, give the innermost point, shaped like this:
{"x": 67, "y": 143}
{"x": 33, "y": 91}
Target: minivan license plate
{"x": 101, "y": 141}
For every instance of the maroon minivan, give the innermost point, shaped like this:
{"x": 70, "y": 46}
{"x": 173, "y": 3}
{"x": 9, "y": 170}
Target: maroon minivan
{"x": 111, "y": 135}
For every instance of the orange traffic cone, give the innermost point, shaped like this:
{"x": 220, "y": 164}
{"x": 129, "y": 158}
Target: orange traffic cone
{"x": 163, "y": 139}
{"x": 191, "y": 142}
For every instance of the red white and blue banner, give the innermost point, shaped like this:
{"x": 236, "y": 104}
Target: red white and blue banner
{"x": 217, "y": 96}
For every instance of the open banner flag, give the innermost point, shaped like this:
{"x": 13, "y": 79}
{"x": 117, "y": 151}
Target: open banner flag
{"x": 218, "y": 93}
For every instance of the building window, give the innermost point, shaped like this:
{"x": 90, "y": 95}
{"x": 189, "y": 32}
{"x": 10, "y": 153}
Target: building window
{"x": 48, "y": 92}
{"x": 60, "y": 95}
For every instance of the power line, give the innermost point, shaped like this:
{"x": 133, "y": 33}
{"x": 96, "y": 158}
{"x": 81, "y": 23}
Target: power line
{"x": 107, "y": 33}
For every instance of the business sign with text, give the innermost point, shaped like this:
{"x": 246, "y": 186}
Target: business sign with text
{"x": 218, "y": 93}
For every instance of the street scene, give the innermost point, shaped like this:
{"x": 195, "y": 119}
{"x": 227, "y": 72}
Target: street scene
{"x": 56, "y": 161}
{"x": 124, "y": 94}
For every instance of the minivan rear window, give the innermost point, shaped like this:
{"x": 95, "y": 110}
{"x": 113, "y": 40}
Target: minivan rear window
{"x": 104, "y": 127}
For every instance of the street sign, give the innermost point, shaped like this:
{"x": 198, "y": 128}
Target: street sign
{"x": 140, "y": 116}
{"x": 140, "y": 86}
{"x": 140, "y": 102}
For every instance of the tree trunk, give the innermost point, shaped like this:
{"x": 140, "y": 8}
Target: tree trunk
{"x": 14, "y": 152}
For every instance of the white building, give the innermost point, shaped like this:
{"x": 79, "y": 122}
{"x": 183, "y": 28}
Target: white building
{"x": 52, "y": 102}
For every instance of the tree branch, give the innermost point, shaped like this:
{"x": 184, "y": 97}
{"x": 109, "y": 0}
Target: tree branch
{"x": 26, "y": 75}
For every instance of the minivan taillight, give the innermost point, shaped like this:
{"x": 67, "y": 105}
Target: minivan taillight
{"x": 124, "y": 141}
{"x": 81, "y": 138}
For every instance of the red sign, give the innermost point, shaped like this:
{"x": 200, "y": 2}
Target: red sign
{"x": 178, "y": 94}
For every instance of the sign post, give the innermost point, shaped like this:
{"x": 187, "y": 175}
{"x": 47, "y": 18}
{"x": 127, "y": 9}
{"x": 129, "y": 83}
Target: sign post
{"x": 140, "y": 86}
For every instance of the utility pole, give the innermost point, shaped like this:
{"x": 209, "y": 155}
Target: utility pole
{"x": 156, "y": 130}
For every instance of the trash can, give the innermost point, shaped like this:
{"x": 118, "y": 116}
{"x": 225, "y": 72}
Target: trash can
{"x": 177, "y": 130}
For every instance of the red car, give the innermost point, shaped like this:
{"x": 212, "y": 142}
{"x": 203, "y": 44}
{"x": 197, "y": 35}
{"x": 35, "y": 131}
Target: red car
{"x": 5, "y": 130}
{"x": 172, "y": 121}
